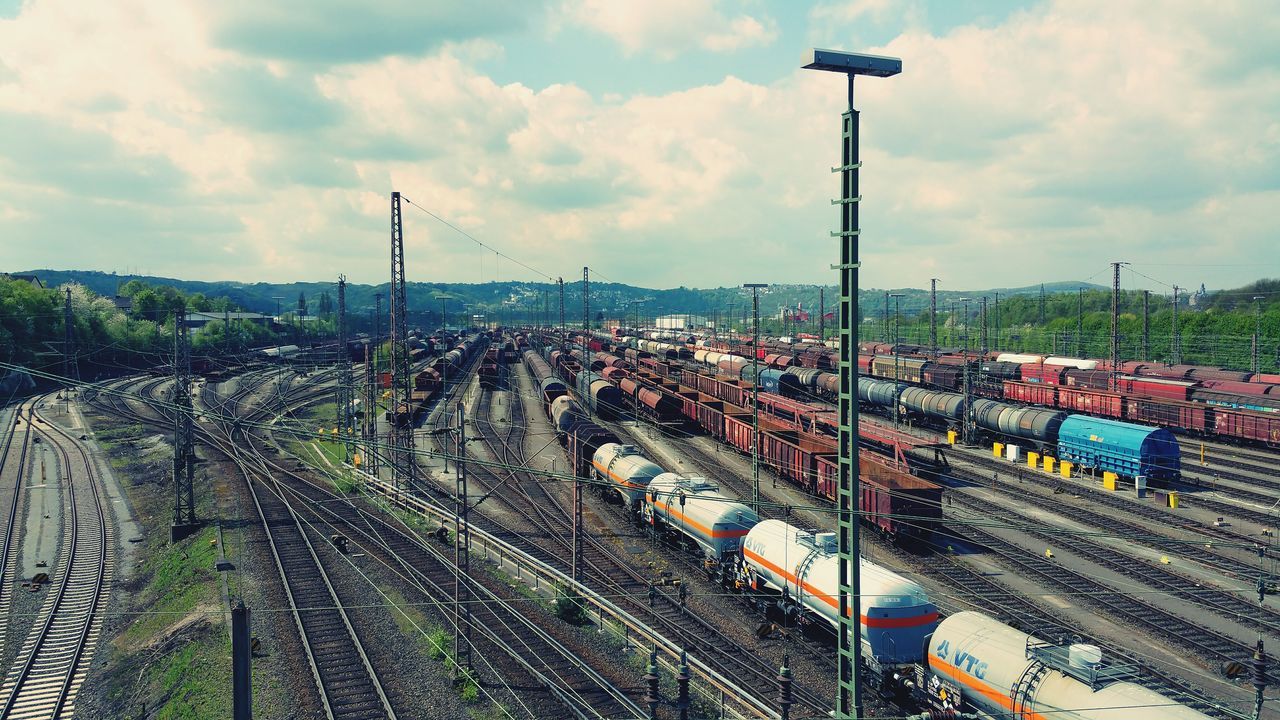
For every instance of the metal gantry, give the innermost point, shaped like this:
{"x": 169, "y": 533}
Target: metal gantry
{"x": 345, "y": 395}
{"x": 755, "y": 393}
{"x": 1176, "y": 338}
{"x": 184, "y": 497}
{"x": 403, "y": 467}
{"x": 1115, "y": 326}
{"x": 586, "y": 300}
{"x": 849, "y": 675}
{"x": 933, "y": 317}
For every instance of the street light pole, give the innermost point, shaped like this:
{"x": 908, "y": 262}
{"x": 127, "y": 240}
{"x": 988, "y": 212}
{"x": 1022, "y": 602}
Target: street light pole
{"x": 755, "y": 393}
{"x": 849, "y": 584}
{"x": 897, "y": 340}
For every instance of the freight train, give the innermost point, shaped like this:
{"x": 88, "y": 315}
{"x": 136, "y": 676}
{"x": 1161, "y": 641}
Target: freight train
{"x": 898, "y": 504}
{"x": 967, "y": 661}
{"x": 1232, "y": 405}
{"x": 428, "y": 383}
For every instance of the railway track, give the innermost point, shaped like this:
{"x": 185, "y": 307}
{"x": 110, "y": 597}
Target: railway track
{"x": 349, "y": 687}
{"x": 605, "y": 570}
{"x": 1262, "y": 618}
{"x": 55, "y": 657}
{"x": 1138, "y": 532}
{"x": 13, "y": 474}
{"x": 298, "y": 504}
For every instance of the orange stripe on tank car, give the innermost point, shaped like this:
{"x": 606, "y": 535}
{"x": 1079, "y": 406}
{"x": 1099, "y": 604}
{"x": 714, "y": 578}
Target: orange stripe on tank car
{"x": 1002, "y": 699}
{"x": 615, "y": 478}
{"x": 699, "y": 526}
{"x": 876, "y": 622}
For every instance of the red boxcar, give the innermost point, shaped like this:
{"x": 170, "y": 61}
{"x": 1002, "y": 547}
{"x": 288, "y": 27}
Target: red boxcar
{"x": 1266, "y": 378}
{"x": 1032, "y": 393}
{"x": 1167, "y": 413}
{"x": 1041, "y": 373}
{"x": 1156, "y": 387}
{"x": 1236, "y": 387}
{"x": 1094, "y": 402}
{"x": 1247, "y": 425}
{"x": 895, "y": 502}
{"x": 793, "y": 453}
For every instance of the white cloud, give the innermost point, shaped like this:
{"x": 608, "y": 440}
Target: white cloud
{"x": 1037, "y": 149}
{"x": 667, "y": 28}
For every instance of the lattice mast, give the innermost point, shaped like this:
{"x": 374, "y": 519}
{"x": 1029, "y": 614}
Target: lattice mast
{"x": 184, "y": 502}
{"x": 403, "y": 468}
{"x": 345, "y": 392}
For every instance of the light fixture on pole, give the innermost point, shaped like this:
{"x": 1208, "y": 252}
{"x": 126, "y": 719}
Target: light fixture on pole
{"x": 755, "y": 392}
{"x": 849, "y": 587}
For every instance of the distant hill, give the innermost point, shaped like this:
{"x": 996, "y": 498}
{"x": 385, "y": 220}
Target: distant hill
{"x": 611, "y": 297}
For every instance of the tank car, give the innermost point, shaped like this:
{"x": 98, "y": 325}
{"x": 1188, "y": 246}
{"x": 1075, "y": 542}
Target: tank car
{"x": 625, "y": 471}
{"x": 976, "y": 661}
{"x": 802, "y": 569}
{"x": 692, "y": 511}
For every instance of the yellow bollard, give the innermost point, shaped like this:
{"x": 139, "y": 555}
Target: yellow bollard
{"x": 1174, "y": 499}
{"x": 1048, "y": 464}
{"x": 1065, "y": 467}
{"x": 997, "y": 449}
{"x": 1048, "y": 553}
{"x": 951, "y": 437}
{"x": 1033, "y": 459}
{"x": 1109, "y": 482}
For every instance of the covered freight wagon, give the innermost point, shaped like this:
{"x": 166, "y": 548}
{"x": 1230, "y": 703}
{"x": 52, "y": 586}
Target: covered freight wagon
{"x": 1122, "y": 448}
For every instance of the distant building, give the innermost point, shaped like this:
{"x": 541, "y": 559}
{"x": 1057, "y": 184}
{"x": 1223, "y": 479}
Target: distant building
{"x": 197, "y": 320}
{"x": 681, "y": 322}
{"x": 122, "y": 303}
{"x": 23, "y": 277}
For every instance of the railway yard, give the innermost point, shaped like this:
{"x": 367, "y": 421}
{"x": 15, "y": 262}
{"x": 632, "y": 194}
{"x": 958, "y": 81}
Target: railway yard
{"x": 579, "y": 534}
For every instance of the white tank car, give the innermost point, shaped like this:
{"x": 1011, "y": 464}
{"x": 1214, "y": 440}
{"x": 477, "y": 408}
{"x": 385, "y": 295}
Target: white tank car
{"x": 1076, "y": 363}
{"x": 693, "y": 508}
{"x": 1019, "y": 358}
{"x": 897, "y": 615}
{"x": 987, "y": 662}
{"x": 625, "y": 470}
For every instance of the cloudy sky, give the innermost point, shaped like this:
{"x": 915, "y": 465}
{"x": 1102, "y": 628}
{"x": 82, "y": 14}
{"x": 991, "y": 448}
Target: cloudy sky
{"x": 663, "y": 142}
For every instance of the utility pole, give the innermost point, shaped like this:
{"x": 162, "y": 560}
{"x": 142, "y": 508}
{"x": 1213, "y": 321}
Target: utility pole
{"x": 884, "y": 325}
{"x": 755, "y": 393}
{"x": 70, "y": 367}
{"x": 982, "y": 334}
{"x": 370, "y": 415}
{"x": 575, "y": 569}
{"x": 461, "y": 548}
{"x": 966, "y": 425}
{"x": 345, "y": 396}
{"x": 933, "y": 317}
{"x": 1257, "y": 329}
{"x": 562, "y": 333}
{"x": 184, "y": 498}
{"x": 822, "y": 316}
{"x": 897, "y": 370}
{"x": 849, "y": 579}
{"x": 1176, "y": 350}
{"x": 403, "y": 466}
{"x": 1146, "y": 326}
{"x": 1080, "y": 322}
{"x": 586, "y": 300}
{"x": 1115, "y": 326}
{"x": 997, "y": 344}
{"x": 1041, "y": 305}
{"x": 226, "y": 330}
{"x": 241, "y": 663}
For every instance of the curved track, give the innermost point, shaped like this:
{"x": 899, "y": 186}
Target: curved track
{"x": 13, "y": 474}
{"x": 604, "y": 568}
{"x": 55, "y": 658}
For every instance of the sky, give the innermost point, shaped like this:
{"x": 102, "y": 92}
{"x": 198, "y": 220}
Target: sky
{"x": 663, "y": 143}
